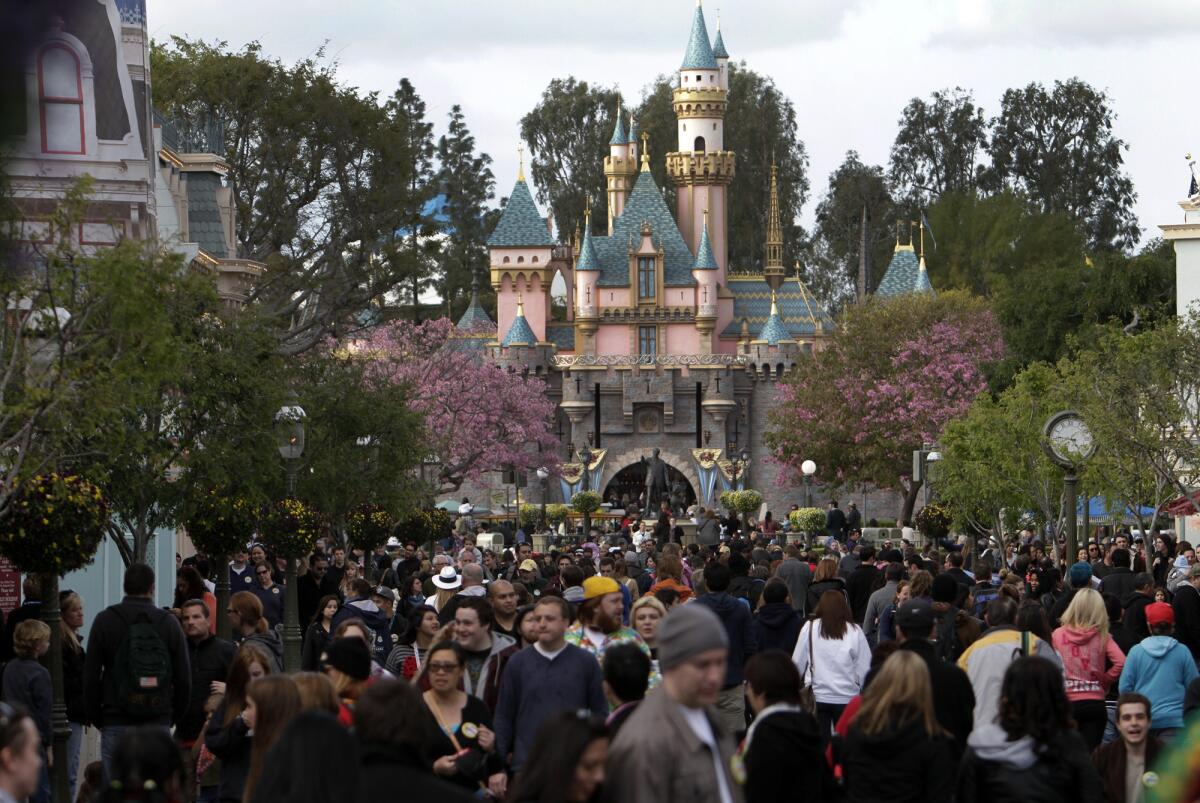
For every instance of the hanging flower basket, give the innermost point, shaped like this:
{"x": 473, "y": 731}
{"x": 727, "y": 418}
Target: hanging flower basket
{"x": 54, "y": 524}
{"x": 934, "y": 520}
{"x": 426, "y": 524}
{"x": 368, "y": 527}
{"x": 290, "y": 527}
{"x": 586, "y": 502}
{"x": 742, "y": 501}
{"x": 219, "y": 524}
{"x": 807, "y": 520}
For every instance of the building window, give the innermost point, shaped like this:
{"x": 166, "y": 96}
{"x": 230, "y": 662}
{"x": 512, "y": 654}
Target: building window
{"x": 646, "y": 283}
{"x": 60, "y": 100}
{"x": 698, "y": 146}
{"x": 647, "y": 341}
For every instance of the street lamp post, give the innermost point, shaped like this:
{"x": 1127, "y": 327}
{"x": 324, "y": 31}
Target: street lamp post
{"x": 543, "y": 474}
{"x": 585, "y": 454}
{"x": 289, "y": 431}
{"x": 808, "y": 468}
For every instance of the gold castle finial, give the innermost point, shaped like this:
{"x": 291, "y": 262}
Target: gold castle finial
{"x": 520, "y": 306}
{"x": 774, "y": 304}
{"x": 718, "y": 18}
{"x": 921, "y": 228}
{"x": 587, "y": 212}
{"x": 646, "y": 146}
{"x": 520, "y": 163}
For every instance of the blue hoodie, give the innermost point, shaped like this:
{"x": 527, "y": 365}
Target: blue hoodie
{"x": 734, "y": 613}
{"x": 1160, "y": 668}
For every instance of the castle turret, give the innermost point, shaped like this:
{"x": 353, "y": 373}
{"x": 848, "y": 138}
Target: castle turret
{"x": 721, "y": 55}
{"x": 620, "y": 166}
{"x": 520, "y": 251}
{"x": 701, "y": 169}
{"x": 587, "y": 274}
{"x": 704, "y": 271}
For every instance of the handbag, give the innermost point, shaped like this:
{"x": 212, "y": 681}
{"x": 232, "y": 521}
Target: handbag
{"x": 808, "y": 699}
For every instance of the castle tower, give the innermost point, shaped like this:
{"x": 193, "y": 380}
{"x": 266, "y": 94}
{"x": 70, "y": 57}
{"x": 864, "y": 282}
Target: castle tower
{"x": 701, "y": 169}
{"x": 721, "y": 55}
{"x": 773, "y": 263}
{"x": 587, "y": 274}
{"x": 620, "y": 166}
{"x": 704, "y": 271}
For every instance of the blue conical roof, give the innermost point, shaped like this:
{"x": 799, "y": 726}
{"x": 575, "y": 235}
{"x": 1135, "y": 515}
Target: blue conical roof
{"x": 620, "y": 135}
{"x": 904, "y": 275}
{"x": 705, "y": 259}
{"x": 520, "y": 333}
{"x": 774, "y": 331}
{"x": 699, "y": 55}
{"x": 719, "y": 45}
{"x": 587, "y": 253}
{"x": 923, "y": 285}
{"x": 521, "y": 224}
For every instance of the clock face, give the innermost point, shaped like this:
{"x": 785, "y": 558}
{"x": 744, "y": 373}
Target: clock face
{"x": 1071, "y": 439}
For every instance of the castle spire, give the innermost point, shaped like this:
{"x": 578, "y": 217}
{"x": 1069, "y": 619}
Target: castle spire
{"x": 620, "y": 135}
{"x": 773, "y": 269}
{"x": 520, "y": 163}
{"x": 719, "y": 50}
{"x": 645, "y": 152}
{"x": 699, "y": 53}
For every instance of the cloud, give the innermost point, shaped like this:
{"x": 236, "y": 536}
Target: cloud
{"x": 974, "y": 23}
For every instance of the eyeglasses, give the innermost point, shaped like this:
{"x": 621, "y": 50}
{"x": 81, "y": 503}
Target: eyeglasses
{"x": 263, "y": 571}
{"x": 440, "y": 668}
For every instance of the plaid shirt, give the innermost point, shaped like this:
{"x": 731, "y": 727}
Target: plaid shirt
{"x": 577, "y": 635}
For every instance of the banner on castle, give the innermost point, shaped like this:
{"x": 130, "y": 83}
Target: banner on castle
{"x": 706, "y": 468}
{"x": 571, "y": 475}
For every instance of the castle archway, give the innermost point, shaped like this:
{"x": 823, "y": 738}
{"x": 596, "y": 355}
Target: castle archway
{"x": 625, "y": 477}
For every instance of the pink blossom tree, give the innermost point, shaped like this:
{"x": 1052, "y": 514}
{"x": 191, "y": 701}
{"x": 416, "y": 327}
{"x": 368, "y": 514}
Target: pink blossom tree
{"x": 892, "y": 374}
{"x": 478, "y": 416}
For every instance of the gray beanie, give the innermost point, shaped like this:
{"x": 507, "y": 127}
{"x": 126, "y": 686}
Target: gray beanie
{"x": 687, "y": 631}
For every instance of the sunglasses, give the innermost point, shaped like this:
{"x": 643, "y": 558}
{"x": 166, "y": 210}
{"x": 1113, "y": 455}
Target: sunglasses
{"x": 441, "y": 668}
{"x": 264, "y": 571}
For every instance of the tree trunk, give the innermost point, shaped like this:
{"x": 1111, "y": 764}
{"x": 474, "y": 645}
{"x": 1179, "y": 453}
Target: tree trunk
{"x": 910, "y": 501}
{"x": 59, "y": 727}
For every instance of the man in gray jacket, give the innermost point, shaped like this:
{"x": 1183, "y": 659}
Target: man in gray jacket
{"x": 673, "y": 749}
{"x": 880, "y": 600}
{"x": 796, "y": 575}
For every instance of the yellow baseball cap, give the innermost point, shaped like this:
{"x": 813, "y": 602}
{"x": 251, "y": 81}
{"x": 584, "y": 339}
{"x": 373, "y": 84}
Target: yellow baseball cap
{"x": 528, "y": 565}
{"x": 598, "y": 585}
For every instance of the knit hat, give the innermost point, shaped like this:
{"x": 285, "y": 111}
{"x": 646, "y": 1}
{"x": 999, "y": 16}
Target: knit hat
{"x": 598, "y": 585}
{"x": 1080, "y": 575}
{"x": 945, "y": 588}
{"x": 1158, "y": 613}
{"x": 687, "y": 631}
{"x": 349, "y": 655}
{"x": 1194, "y": 571}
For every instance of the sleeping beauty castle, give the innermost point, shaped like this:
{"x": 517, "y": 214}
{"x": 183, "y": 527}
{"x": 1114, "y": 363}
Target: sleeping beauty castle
{"x": 664, "y": 343}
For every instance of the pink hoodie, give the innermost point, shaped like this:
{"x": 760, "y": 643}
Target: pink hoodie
{"x": 1083, "y": 655}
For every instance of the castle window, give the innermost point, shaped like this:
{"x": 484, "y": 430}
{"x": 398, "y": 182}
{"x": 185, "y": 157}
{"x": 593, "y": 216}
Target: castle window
{"x": 699, "y": 145}
{"x": 60, "y": 100}
{"x": 646, "y": 283}
{"x": 506, "y": 259}
{"x": 520, "y": 260}
{"x": 535, "y": 259}
{"x": 647, "y": 341}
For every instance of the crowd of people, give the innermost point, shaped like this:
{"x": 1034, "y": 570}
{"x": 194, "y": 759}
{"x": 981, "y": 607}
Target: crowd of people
{"x": 622, "y": 667}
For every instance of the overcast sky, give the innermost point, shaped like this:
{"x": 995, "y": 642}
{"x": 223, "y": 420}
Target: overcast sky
{"x": 849, "y": 66}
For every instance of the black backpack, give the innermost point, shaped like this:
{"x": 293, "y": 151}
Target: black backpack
{"x": 142, "y": 669}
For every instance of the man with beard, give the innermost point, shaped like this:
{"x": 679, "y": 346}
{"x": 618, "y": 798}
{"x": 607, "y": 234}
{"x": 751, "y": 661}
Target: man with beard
{"x": 599, "y": 621}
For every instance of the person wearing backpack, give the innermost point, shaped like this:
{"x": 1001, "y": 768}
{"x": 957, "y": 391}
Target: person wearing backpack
{"x": 136, "y": 671}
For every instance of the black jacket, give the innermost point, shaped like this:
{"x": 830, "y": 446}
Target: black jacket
{"x": 232, "y": 745}
{"x": 784, "y": 760}
{"x": 309, "y": 593}
{"x": 815, "y": 590}
{"x": 1062, "y": 773}
{"x": 1135, "y": 614}
{"x": 73, "y": 663}
{"x": 210, "y": 660}
{"x": 899, "y": 766}
{"x": 861, "y": 584}
{"x": 1118, "y": 580}
{"x": 389, "y": 773}
{"x": 109, "y": 630}
{"x": 438, "y": 744}
{"x": 739, "y": 626}
{"x": 1110, "y": 764}
{"x": 777, "y": 626}
{"x": 315, "y": 640}
{"x": 1187, "y": 617}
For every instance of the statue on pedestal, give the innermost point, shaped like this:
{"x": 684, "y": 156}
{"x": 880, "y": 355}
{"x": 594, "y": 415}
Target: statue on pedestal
{"x": 656, "y": 483}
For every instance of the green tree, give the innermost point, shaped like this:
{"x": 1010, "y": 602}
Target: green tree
{"x": 760, "y": 126}
{"x": 854, "y": 189}
{"x": 314, "y": 178}
{"x": 567, "y": 134}
{"x": 1058, "y": 148}
{"x": 937, "y": 147}
{"x": 467, "y": 180}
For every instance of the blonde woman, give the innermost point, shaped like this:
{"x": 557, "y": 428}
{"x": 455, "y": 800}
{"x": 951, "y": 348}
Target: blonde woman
{"x": 72, "y": 663}
{"x": 895, "y": 742}
{"x": 645, "y": 616}
{"x": 1091, "y": 662}
{"x": 352, "y": 573}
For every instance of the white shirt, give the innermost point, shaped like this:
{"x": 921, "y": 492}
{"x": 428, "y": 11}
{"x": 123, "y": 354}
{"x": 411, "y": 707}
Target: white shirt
{"x": 840, "y": 666}
{"x": 698, "y": 722}
{"x": 549, "y": 656}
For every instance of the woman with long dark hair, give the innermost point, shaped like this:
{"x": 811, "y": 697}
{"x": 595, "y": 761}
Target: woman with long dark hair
{"x": 895, "y": 749}
{"x": 566, "y": 762}
{"x": 407, "y": 657}
{"x": 315, "y": 760}
{"x": 1032, "y": 752}
{"x": 833, "y": 656}
{"x": 271, "y": 703}
{"x": 73, "y": 657}
{"x": 189, "y": 585}
{"x": 228, "y": 734}
{"x": 825, "y": 578}
{"x": 781, "y": 753}
{"x": 319, "y": 633}
{"x": 461, "y": 743}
